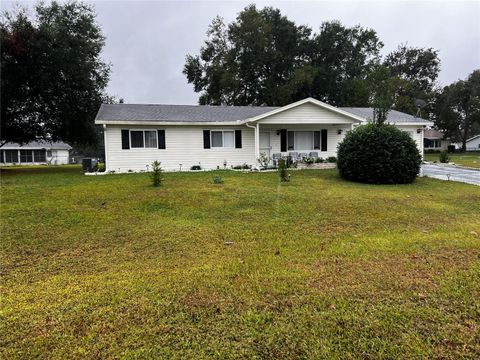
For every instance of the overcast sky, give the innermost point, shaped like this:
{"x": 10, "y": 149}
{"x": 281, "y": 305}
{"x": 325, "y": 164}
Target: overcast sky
{"x": 147, "y": 41}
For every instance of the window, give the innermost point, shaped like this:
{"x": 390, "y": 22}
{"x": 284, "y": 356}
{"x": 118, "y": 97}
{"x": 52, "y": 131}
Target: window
{"x": 316, "y": 140}
{"x": 432, "y": 143}
{"x": 228, "y": 139}
{"x": 303, "y": 140}
{"x": 39, "y": 156}
{"x": 26, "y": 156}
{"x": 223, "y": 139}
{"x": 143, "y": 139}
{"x": 150, "y": 139}
{"x": 49, "y": 153}
{"x": 290, "y": 140}
{"x": 11, "y": 156}
{"x": 137, "y": 139}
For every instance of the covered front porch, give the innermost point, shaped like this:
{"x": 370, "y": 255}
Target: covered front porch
{"x": 298, "y": 140}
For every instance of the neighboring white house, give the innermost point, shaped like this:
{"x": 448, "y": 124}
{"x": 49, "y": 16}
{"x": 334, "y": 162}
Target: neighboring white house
{"x": 434, "y": 140}
{"x": 35, "y": 153}
{"x": 181, "y": 136}
{"x": 473, "y": 144}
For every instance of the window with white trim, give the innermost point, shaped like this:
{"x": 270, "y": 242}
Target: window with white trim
{"x": 143, "y": 139}
{"x": 26, "y": 156}
{"x": 11, "y": 156}
{"x": 224, "y": 139}
{"x": 303, "y": 140}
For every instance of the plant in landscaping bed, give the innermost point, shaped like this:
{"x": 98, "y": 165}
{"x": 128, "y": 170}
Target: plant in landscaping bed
{"x": 264, "y": 160}
{"x": 443, "y": 157}
{"x": 308, "y": 160}
{"x": 195, "y": 167}
{"x": 378, "y": 154}
{"x": 319, "y": 160}
{"x": 241, "y": 167}
{"x": 282, "y": 170}
{"x": 217, "y": 179}
{"x": 332, "y": 159}
{"x": 156, "y": 174}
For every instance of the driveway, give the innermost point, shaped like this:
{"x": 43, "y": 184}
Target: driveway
{"x": 452, "y": 173}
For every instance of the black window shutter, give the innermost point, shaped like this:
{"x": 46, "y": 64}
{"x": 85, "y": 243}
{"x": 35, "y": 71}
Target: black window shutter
{"x": 324, "y": 140}
{"x": 125, "y": 139}
{"x": 161, "y": 139}
{"x": 206, "y": 139}
{"x": 283, "y": 140}
{"x": 238, "y": 139}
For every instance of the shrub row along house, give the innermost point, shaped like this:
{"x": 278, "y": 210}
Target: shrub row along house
{"x": 35, "y": 153}
{"x": 182, "y": 136}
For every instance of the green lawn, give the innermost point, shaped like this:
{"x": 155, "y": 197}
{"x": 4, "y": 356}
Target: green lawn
{"x": 466, "y": 159}
{"x": 109, "y": 267}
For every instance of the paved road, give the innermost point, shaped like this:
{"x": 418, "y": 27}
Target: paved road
{"x": 451, "y": 173}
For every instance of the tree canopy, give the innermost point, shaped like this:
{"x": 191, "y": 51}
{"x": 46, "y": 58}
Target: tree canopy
{"x": 457, "y": 109}
{"x": 53, "y": 78}
{"x": 263, "y": 58}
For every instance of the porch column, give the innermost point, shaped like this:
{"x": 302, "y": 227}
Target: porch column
{"x": 257, "y": 141}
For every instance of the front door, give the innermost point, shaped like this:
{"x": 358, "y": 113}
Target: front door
{"x": 265, "y": 143}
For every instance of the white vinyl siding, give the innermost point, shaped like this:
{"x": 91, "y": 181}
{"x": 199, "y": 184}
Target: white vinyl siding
{"x": 307, "y": 114}
{"x": 184, "y": 145}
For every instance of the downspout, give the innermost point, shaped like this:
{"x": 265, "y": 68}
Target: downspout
{"x": 256, "y": 140}
{"x": 105, "y": 146}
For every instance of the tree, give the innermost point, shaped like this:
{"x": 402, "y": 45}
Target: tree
{"x": 343, "y": 57}
{"x": 457, "y": 108}
{"x": 380, "y": 85}
{"x": 418, "y": 70}
{"x": 262, "y": 58}
{"x": 53, "y": 79}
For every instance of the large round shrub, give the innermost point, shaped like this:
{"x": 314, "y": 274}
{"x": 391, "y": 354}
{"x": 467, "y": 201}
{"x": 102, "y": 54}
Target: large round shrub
{"x": 378, "y": 154}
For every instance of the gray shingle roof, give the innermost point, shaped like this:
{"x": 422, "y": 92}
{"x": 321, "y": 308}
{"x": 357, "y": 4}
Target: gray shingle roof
{"x": 38, "y": 145}
{"x": 394, "y": 116}
{"x": 183, "y": 113}
{"x": 208, "y": 113}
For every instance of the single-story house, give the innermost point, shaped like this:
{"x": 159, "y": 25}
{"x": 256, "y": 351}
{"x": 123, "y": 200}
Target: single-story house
{"x": 35, "y": 153}
{"x": 433, "y": 140}
{"x": 181, "y": 136}
{"x": 473, "y": 144}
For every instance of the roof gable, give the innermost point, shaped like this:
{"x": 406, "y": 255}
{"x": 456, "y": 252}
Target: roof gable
{"x": 315, "y": 103}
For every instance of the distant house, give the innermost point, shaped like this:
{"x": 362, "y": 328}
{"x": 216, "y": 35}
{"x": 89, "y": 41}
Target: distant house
{"x": 473, "y": 144}
{"x": 183, "y": 136}
{"x": 433, "y": 140}
{"x": 35, "y": 153}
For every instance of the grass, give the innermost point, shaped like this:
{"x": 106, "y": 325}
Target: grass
{"x": 110, "y": 267}
{"x": 471, "y": 159}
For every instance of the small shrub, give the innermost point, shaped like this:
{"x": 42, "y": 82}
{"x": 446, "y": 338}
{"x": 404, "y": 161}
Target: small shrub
{"x": 217, "y": 180}
{"x": 264, "y": 160}
{"x": 241, "y": 167}
{"x": 332, "y": 159}
{"x": 451, "y": 148}
{"x": 443, "y": 157}
{"x": 195, "y": 167}
{"x": 156, "y": 174}
{"x": 378, "y": 154}
{"x": 282, "y": 170}
{"x": 319, "y": 160}
{"x": 308, "y": 160}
